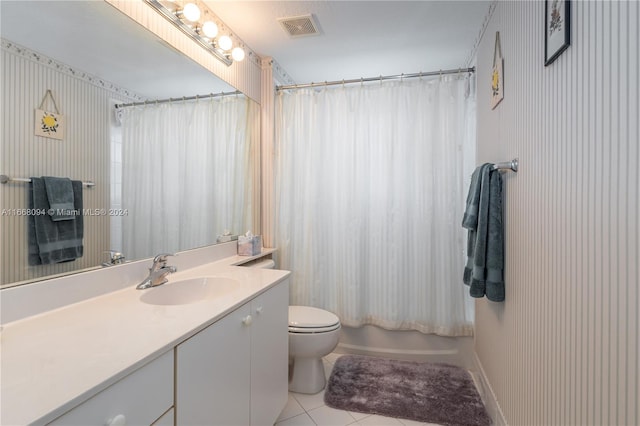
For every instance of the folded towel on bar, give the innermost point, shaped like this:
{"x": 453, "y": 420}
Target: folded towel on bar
{"x": 50, "y": 241}
{"x": 470, "y": 218}
{"x": 60, "y": 196}
{"x": 485, "y": 241}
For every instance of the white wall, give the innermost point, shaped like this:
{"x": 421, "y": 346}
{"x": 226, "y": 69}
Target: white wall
{"x": 563, "y": 348}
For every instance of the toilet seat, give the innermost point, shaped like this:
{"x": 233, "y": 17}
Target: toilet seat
{"x": 311, "y": 330}
{"x": 307, "y": 319}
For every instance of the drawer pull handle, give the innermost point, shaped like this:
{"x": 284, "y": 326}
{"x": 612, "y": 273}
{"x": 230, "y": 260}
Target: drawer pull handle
{"x": 119, "y": 420}
{"x": 247, "y": 320}
{"x": 259, "y": 310}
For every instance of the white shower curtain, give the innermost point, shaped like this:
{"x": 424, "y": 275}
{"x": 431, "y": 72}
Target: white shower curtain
{"x": 187, "y": 173}
{"x": 370, "y": 187}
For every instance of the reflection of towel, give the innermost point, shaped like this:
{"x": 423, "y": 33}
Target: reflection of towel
{"x": 485, "y": 243}
{"x": 49, "y": 241}
{"x": 60, "y": 196}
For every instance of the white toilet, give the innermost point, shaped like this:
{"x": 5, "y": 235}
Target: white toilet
{"x": 313, "y": 333}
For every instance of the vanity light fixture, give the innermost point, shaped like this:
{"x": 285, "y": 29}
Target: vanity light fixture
{"x": 190, "y": 11}
{"x": 237, "y": 54}
{"x": 209, "y": 29}
{"x": 225, "y": 43}
{"x": 187, "y": 19}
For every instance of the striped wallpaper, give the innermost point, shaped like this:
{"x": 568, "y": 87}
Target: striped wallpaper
{"x": 563, "y": 349}
{"x": 83, "y": 154}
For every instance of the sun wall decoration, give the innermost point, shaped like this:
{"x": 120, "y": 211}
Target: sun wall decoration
{"x": 497, "y": 89}
{"x": 49, "y": 124}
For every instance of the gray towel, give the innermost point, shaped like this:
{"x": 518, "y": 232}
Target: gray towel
{"x": 470, "y": 218}
{"x": 49, "y": 241}
{"x": 495, "y": 241}
{"x": 60, "y": 196}
{"x": 485, "y": 242}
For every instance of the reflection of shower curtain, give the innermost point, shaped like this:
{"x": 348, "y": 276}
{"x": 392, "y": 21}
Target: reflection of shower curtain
{"x": 187, "y": 173}
{"x": 370, "y": 189}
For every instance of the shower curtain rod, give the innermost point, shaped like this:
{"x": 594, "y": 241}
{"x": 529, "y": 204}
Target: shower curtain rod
{"x": 184, "y": 98}
{"x": 380, "y": 78}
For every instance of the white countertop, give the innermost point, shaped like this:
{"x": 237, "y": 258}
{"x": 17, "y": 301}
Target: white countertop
{"x": 53, "y": 361}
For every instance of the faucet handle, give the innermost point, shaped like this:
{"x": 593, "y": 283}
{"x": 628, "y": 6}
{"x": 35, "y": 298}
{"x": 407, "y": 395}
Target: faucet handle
{"x": 115, "y": 257}
{"x": 162, "y": 258}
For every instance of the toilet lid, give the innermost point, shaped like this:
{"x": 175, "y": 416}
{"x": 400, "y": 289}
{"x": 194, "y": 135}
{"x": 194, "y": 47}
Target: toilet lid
{"x": 302, "y": 317}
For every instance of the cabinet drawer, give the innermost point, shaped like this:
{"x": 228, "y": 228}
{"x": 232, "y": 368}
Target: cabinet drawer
{"x": 138, "y": 399}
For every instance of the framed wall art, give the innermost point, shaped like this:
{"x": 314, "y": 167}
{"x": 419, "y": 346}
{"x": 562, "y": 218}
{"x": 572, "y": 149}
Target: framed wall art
{"x": 557, "y": 29}
{"x": 47, "y": 123}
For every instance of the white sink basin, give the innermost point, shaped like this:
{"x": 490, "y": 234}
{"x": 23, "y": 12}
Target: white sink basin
{"x": 189, "y": 291}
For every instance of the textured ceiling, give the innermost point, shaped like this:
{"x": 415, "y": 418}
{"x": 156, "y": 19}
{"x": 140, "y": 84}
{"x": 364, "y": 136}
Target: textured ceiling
{"x": 359, "y": 38}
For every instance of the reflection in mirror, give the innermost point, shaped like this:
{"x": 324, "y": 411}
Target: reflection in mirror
{"x": 186, "y": 166}
{"x": 164, "y": 179}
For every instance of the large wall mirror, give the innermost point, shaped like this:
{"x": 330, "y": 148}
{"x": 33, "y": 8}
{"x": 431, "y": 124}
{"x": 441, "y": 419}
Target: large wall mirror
{"x": 169, "y": 176}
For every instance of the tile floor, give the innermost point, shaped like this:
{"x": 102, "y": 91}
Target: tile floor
{"x": 309, "y": 410}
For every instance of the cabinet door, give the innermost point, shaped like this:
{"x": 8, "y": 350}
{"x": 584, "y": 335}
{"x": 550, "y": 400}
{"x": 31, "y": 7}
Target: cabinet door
{"x": 137, "y": 399}
{"x": 212, "y": 374}
{"x": 269, "y": 354}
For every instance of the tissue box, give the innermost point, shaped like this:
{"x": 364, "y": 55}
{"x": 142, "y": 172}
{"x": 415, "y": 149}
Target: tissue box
{"x": 249, "y": 246}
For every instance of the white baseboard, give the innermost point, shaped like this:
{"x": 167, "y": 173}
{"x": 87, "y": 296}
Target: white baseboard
{"x": 487, "y": 394}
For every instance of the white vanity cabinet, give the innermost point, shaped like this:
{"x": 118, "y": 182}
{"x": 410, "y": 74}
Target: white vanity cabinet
{"x": 141, "y": 398}
{"x": 235, "y": 372}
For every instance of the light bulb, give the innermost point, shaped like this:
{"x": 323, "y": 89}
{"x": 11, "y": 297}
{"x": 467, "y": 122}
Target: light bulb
{"x": 237, "y": 54}
{"x": 225, "y": 42}
{"x": 191, "y": 12}
{"x": 210, "y": 29}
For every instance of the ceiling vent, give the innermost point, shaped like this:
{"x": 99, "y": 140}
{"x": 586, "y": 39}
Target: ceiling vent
{"x": 300, "y": 26}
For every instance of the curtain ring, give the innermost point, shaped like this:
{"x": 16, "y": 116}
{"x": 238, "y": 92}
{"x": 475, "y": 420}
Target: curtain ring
{"x": 343, "y": 83}
{"x": 380, "y": 79}
{"x": 420, "y": 76}
{"x": 401, "y": 78}
{"x": 361, "y": 82}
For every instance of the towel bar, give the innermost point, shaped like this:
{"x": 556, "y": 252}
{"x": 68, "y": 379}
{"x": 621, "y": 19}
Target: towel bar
{"x": 507, "y": 165}
{"x": 6, "y": 179}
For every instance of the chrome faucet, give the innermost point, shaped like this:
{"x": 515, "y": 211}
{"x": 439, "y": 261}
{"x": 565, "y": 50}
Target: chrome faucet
{"x": 115, "y": 258}
{"x": 158, "y": 272}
